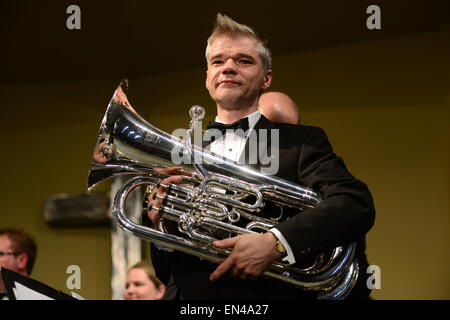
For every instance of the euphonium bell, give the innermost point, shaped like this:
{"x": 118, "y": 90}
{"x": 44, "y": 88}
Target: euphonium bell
{"x": 219, "y": 198}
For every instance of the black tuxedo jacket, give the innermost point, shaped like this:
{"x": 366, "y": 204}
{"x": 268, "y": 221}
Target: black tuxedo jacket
{"x": 345, "y": 215}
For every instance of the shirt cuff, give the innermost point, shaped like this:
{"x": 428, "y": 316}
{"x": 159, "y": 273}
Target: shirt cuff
{"x": 289, "y": 255}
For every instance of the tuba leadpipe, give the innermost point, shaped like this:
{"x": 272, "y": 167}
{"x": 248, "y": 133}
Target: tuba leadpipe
{"x": 129, "y": 145}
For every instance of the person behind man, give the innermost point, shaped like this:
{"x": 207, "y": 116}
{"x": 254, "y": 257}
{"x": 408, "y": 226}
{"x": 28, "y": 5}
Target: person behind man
{"x": 18, "y": 252}
{"x": 238, "y": 71}
{"x": 279, "y": 107}
{"x": 142, "y": 283}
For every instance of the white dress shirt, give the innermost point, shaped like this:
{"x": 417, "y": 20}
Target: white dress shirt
{"x": 231, "y": 146}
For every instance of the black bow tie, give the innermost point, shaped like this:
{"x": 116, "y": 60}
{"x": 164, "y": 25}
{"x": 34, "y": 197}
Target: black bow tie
{"x": 222, "y": 127}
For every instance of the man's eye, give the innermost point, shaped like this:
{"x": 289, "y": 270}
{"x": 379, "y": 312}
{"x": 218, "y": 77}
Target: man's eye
{"x": 216, "y": 62}
{"x": 244, "y": 61}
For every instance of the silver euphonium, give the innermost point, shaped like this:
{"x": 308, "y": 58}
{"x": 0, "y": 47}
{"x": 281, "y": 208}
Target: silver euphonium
{"x": 200, "y": 208}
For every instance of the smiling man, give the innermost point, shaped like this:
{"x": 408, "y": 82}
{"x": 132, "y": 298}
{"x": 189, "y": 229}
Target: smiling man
{"x": 238, "y": 71}
{"x": 236, "y": 75}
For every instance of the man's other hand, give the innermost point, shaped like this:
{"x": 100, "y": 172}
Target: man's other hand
{"x": 251, "y": 256}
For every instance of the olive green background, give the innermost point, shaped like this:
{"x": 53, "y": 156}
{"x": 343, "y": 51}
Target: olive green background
{"x": 384, "y": 103}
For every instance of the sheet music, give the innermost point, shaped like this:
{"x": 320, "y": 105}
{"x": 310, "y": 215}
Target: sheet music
{"x": 24, "y": 293}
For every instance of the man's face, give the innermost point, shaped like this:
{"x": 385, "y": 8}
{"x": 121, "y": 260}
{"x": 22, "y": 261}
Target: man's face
{"x": 235, "y": 74}
{"x": 13, "y": 262}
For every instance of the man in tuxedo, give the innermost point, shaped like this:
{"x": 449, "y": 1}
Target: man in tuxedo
{"x": 239, "y": 70}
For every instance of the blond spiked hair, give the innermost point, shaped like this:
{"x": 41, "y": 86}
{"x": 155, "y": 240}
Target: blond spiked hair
{"x": 227, "y": 26}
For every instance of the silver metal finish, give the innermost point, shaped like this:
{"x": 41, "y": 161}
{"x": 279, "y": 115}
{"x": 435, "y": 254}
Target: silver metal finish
{"x": 219, "y": 198}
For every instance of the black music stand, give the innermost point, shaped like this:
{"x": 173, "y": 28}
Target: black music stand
{"x": 19, "y": 287}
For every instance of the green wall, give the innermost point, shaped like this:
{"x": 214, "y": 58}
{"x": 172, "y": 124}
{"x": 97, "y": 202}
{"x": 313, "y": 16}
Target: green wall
{"x": 385, "y": 106}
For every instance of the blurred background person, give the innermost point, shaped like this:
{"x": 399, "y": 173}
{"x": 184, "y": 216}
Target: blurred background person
{"x": 18, "y": 252}
{"x": 142, "y": 284}
{"x": 279, "y": 107}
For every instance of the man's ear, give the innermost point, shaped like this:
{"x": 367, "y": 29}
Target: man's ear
{"x": 267, "y": 79}
{"x": 22, "y": 262}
